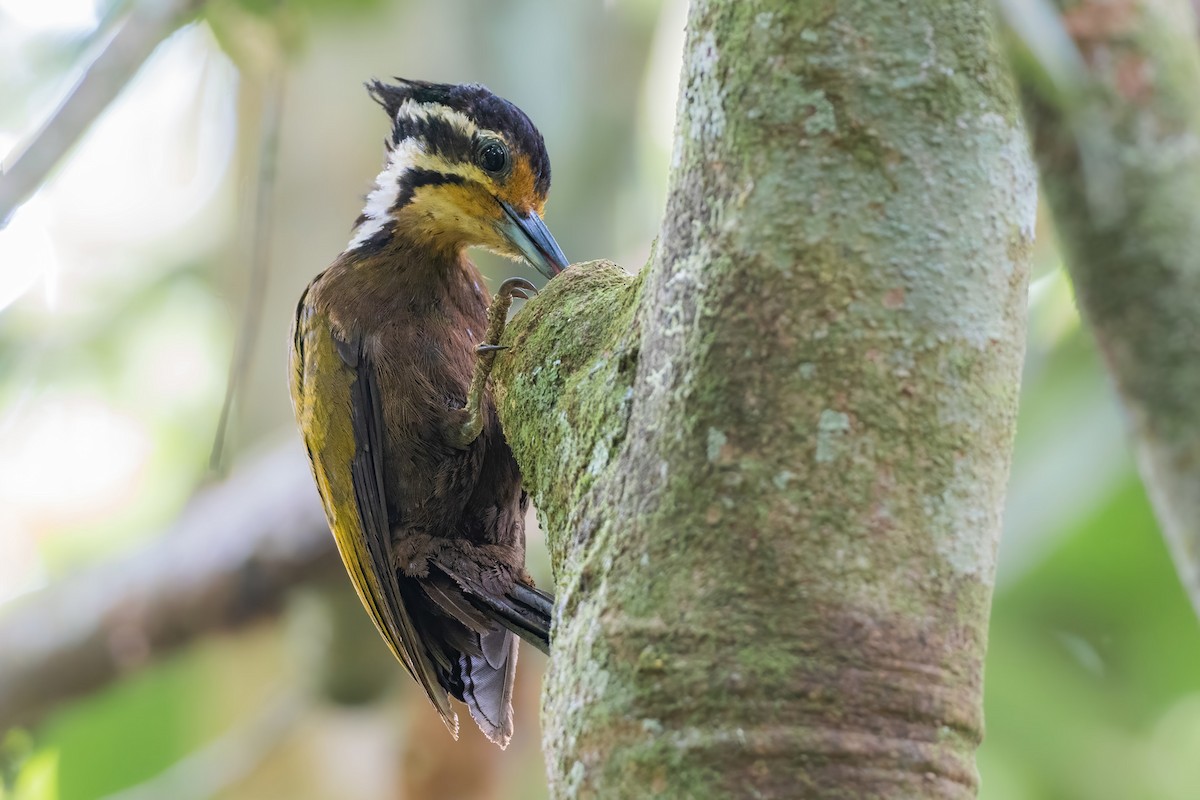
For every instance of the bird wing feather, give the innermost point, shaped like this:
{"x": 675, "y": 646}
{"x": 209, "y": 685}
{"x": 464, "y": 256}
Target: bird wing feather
{"x": 335, "y": 395}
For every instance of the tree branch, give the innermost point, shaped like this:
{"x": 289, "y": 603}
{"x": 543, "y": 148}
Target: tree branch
{"x": 147, "y": 25}
{"x": 1120, "y": 162}
{"x": 229, "y": 559}
{"x": 771, "y": 467}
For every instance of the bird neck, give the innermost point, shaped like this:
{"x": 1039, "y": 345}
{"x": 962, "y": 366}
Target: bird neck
{"x": 403, "y": 278}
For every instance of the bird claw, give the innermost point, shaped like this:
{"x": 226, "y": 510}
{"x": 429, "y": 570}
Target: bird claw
{"x": 517, "y": 287}
{"x": 465, "y": 431}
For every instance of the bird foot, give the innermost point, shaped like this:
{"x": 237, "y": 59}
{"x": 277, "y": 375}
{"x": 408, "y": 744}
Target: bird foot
{"x": 469, "y": 422}
{"x": 516, "y": 287}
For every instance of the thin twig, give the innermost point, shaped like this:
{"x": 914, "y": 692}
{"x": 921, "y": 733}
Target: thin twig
{"x": 1130, "y": 241}
{"x": 1039, "y": 27}
{"x": 260, "y": 258}
{"x": 148, "y": 24}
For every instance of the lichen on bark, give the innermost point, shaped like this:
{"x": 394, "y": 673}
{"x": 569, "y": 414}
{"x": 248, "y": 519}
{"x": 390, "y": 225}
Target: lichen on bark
{"x": 771, "y": 466}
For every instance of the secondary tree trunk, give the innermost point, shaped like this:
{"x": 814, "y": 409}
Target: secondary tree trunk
{"x": 772, "y": 465}
{"x": 1117, "y": 135}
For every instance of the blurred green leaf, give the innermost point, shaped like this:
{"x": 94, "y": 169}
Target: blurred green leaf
{"x": 126, "y": 734}
{"x": 38, "y": 779}
{"x": 16, "y": 748}
{"x": 1093, "y": 654}
{"x": 255, "y": 32}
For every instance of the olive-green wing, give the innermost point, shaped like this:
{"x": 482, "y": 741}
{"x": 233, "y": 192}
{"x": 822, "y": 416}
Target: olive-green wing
{"x": 336, "y": 399}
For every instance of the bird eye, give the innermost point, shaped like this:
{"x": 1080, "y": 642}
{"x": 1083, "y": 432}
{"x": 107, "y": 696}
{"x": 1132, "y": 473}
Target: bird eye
{"x": 492, "y": 156}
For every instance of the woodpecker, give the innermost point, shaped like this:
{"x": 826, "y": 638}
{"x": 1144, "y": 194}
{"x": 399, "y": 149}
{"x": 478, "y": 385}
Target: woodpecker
{"x": 391, "y": 349}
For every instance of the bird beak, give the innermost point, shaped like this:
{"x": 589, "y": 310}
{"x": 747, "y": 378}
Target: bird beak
{"x": 532, "y": 238}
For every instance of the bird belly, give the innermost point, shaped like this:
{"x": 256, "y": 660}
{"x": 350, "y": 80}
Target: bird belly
{"x": 434, "y": 488}
{"x": 456, "y": 507}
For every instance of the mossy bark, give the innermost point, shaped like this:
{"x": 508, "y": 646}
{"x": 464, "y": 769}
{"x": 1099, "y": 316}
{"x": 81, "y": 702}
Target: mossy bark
{"x": 1117, "y": 140}
{"x": 771, "y": 466}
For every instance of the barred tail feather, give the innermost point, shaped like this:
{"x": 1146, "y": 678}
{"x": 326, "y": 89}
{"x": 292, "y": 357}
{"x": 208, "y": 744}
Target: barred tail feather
{"x": 486, "y": 681}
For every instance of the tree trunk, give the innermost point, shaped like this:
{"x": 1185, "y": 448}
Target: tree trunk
{"x": 1117, "y": 135}
{"x": 771, "y": 466}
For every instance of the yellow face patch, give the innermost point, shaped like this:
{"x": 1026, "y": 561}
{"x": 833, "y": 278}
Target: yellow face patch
{"x": 450, "y": 216}
{"x": 445, "y": 204}
{"x": 517, "y": 188}
{"x": 465, "y": 211}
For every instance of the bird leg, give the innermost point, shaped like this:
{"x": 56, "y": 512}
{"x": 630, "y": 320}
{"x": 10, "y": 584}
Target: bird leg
{"x": 468, "y": 423}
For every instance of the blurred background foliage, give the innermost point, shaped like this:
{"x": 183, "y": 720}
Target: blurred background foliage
{"x": 123, "y": 283}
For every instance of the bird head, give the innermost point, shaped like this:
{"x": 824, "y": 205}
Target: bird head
{"x": 465, "y": 168}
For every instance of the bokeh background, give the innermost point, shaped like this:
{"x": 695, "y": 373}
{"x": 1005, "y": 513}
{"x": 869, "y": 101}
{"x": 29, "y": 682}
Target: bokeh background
{"x": 125, "y": 286}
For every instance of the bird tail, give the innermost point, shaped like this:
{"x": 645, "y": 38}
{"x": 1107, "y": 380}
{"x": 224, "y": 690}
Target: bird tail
{"x": 484, "y": 681}
{"x": 481, "y": 651}
{"x": 523, "y": 609}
